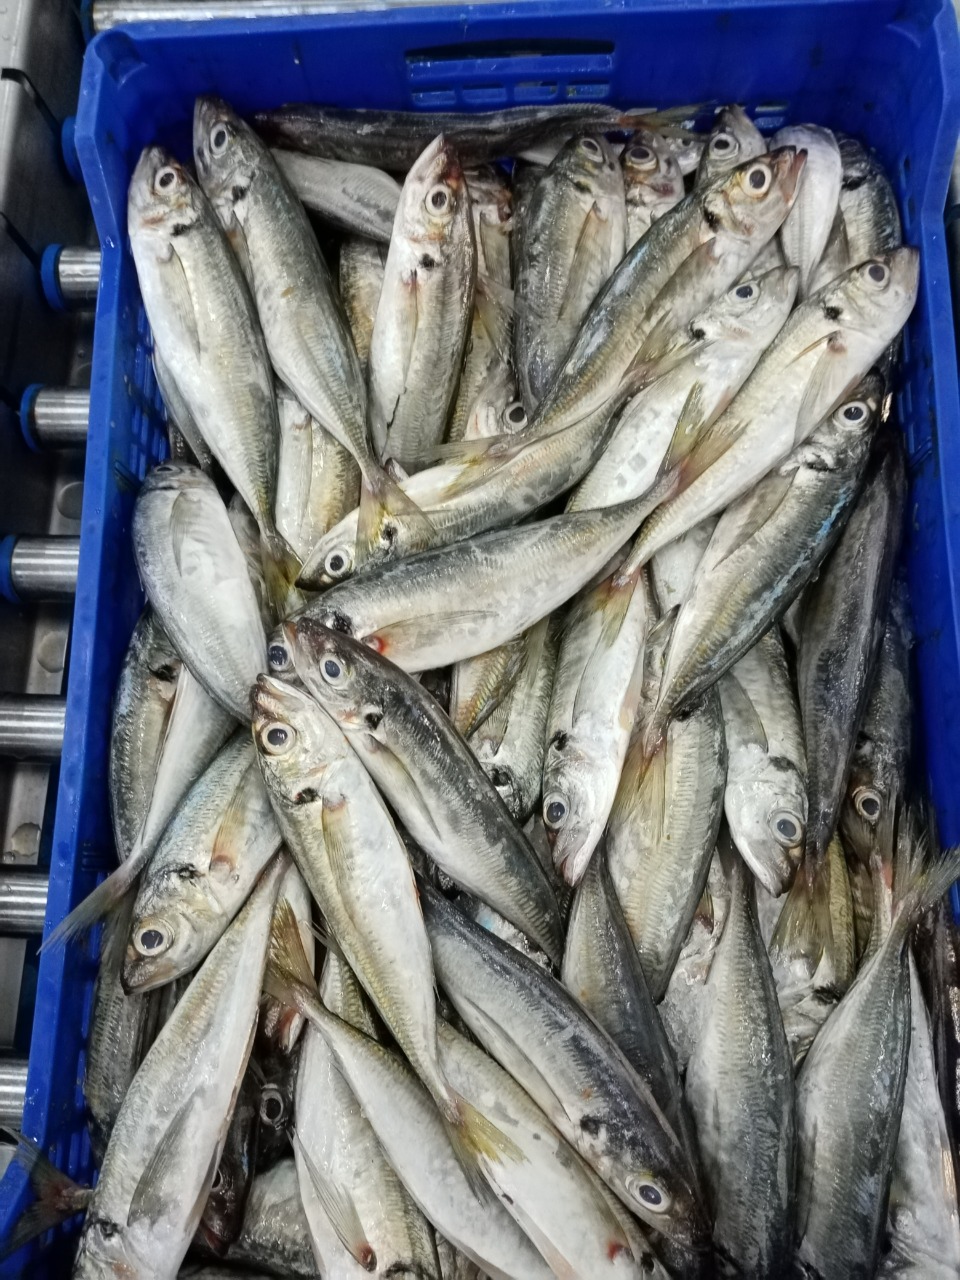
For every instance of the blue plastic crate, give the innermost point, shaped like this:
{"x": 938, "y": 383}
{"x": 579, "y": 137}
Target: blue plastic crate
{"x": 883, "y": 70}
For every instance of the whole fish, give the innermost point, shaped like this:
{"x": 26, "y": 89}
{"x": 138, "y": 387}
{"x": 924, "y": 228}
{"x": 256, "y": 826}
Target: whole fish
{"x": 547, "y": 1189}
{"x": 427, "y": 773}
{"x": 196, "y": 578}
{"x": 423, "y": 318}
{"x": 843, "y": 622}
{"x": 303, "y": 321}
{"x": 765, "y": 800}
{"x": 574, "y": 236}
{"x": 347, "y": 849}
{"x": 601, "y": 969}
{"x": 733, "y": 139}
{"x": 203, "y": 321}
{"x": 491, "y": 201}
{"x": 486, "y": 372}
{"x": 923, "y": 1220}
{"x": 652, "y": 180}
{"x": 813, "y": 948}
{"x": 411, "y": 1129}
{"x": 571, "y": 1069}
{"x": 806, "y": 228}
{"x": 881, "y": 756}
{"x": 674, "y": 567}
{"x": 850, "y": 1098}
{"x": 166, "y": 1143}
{"x": 740, "y": 1090}
{"x": 281, "y": 1025}
{"x": 724, "y": 344}
{"x": 764, "y": 550}
{"x": 222, "y": 1219}
{"x": 662, "y": 833}
{"x": 361, "y": 280}
{"x": 343, "y": 1172}
{"x": 820, "y": 354}
{"x": 141, "y": 712}
{"x": 318, "y": 482}
{"x": 204, "y": 867}
{"x": 275, "y": 1235}
{"x": 510, "y": 743}
{"x": 596, "y": 691}
{"x": 394, "y": 139}
{"x": 357, "y": 198}
{"x": 867, "y": 201}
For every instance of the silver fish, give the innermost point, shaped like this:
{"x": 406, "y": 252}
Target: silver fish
{"x": 491, "y": 201}
{"x": 357, "y": 198}
{"x": 361, "y": 280}
{"x": 740, "y": 1090}
{"x": 486, "y": 365}
{"x": 165, "y": 1145}
{"x": 807, "y": 226}
{"x": 423, "y": 317}
{"x": 674, "y": 567}
{"x": 733, "y": 139}
{"x": 653, "y": 182}
{"x": 427, "y": 772}
{"x": 179, "y": 414}
{"x": 870, "y": 214}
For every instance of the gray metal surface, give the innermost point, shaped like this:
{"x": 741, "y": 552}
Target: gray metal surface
{"x": 23, "y": 902}
{"x": 45, "y": 568}
{"x": 31, "y": 727}
{"x": 112, "y": 13}
{"x": 59, "y": 417}
{"x": 78, "y": 274}
{"x": 13, "y": 1088}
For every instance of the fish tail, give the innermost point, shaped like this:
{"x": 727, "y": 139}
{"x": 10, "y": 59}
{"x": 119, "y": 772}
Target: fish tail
{"x": 475, "y": 1140}
{"x": 388, "y": 517}
{"x": 288, "y": 976}
{"x": 58, "y": 1196}
{"x": 805, "y": 914}
{"x": 108, "y": 895}
{"x": 925, "y": 884}
{"x": 281, "y": 569}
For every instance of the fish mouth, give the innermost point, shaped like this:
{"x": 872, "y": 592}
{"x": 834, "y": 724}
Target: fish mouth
{"x": 141, "y": 975}
{"x": 272, "y": 698}
{"x": 788, "y": 164}
{"x": 450, "y": 169}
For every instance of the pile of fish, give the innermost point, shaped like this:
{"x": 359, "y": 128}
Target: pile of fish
{"x": 559, "y": 915}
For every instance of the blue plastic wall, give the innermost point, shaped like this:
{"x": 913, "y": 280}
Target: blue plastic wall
{"x": 887, "y": 72}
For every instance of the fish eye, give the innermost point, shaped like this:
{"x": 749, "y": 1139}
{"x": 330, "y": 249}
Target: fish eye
{"x": 153, "y": 939}
{"x": 438, "y": 199}
{"x": 641, "y": 157}
{"x": 166, "y": 178}
{"x": 278, "y": 657}
{"x": 758, "y": 178}
{"x": 723, "y": 144}
{"x": 332, "y": 670}
{"x": 787, "y": 828}
{"x": 554, "y": 811}
{"x": 272, "y": 1106}
{"x": 218, "y": 139}
{"x": 516, "y": 415}
{"x": 217, "y": 1182}
{"x": 277, "y": 739}
{"x": 164, "y": 469}
{"x": 878, "y": 273}
{"x": 867, "y": 803}
{"x": 591, "y": 147}
{"x": 854, "y": 412}
{"x": 337, "y": 563}
{"x": 745, "y": 291}
{"x": 648, "y": 1194}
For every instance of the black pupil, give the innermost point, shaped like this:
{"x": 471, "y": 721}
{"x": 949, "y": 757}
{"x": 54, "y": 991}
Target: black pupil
{"x": 166, "y": 178}
{"x": 220, "y": 137}
{"x": 336, "y": 563}
{"x": 787, "y": 828}
{"x": 871, "y": 807}
{"x": 272, "y": 1108}
{"x": 277, "y": 736}
{"x": 331, "y": 668}
{"x": 150, "y": 939}
{"x": 650, "y": 1195}
{"x": 641, "y": 153}
{"x": 277, "y": 655}
{"x": 721, "y": 144}
{"x": 877, "y": 273}
{"x": 757, "y": 179}
{"x": 854, "y": 413}
{"x": 744, "y": 291}
{"x": 516, "y": 414}
{"x": 555, "y": 811}
{"x": 438, "y": 199}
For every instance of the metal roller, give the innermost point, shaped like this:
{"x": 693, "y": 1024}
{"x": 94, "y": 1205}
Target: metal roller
{"x": 54, "y": 417}
{"x": 70, "y": 276}
{"x": 23, "y": 903}
{"x": 111, "y": 13}
{"x": 38, "y": 568}
{"x": 31, "y": 726}
{"x": 13, "y": 1090}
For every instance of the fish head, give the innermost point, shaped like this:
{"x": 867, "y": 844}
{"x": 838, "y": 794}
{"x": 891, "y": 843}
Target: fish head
{"x": 346, "y": 677}
{"x": 176, "y": 920}
{"x": 766, "y": 809}
{"x": 586, "y": 162}
{"x": 650, "y": 173}
{"x": 163, "y": 201}
{"x": 176, "y": 477}
{"x": 733, "y": 139}
{"x": 754, "y": 198}
{"x": 878, "y": 295}
{"x": 752, "y": 310}
{"x": 434, "y": 203}
{"x": 333, "y": 558}
{"x": 574, "y": 810}
{"x": 106, "y": 1250}
{"x": 296, "y": 740}
{"x": 226, "y": 151}
{"x": 653, "y": 1176}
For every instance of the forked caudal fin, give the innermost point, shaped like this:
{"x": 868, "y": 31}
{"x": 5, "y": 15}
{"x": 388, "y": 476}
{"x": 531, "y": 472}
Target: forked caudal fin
{"x": 58, "y": 1196}
{"x": 385, "y": 512}
{"x": 108, "y": 894}
{"x": 281, "y": 568}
